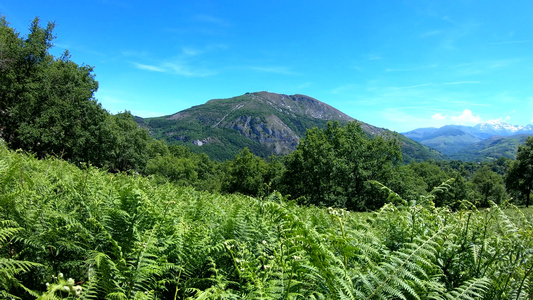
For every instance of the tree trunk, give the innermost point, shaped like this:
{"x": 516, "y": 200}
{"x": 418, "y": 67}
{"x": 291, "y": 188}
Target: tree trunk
{"x": 527, "y": 197}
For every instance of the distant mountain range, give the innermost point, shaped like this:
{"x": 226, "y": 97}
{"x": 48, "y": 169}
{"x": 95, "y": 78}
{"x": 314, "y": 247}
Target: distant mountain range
{"x": 485, "y": 141}
{"x": 266, "y": 123}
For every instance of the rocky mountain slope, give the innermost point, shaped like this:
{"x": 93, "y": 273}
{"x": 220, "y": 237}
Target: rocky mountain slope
{"x": 266, "y": 123}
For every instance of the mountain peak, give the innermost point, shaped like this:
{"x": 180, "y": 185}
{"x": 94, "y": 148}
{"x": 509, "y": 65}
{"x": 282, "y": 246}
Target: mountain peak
{"x": 497, "y": 127}
{"x": 267, "y": 123}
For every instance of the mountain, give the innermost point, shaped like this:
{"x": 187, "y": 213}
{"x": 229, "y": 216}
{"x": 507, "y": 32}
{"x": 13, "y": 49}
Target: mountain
{"x": 266, "y": 123}
{"x": 473, "y": 143}
{"x": 447, "y": 139}
{"x": 495, "y": 127}
{"x": 491, "y": 148}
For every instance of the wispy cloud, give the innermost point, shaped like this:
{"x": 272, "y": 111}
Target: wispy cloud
{"x": 511, "y": 42}
{"x": 482, "y": 67}
{"x": 189, "y": 62}
{"x": 183, "y": 69}
{"x": 412, "y": 69}
{"x": 177, "y": 68}
{"x": 148, "y": 67}
{"x": 412, "y": 86}
{"x": 431, "y": 33}
{"x": 374, "y": 57}
{"x": 461, "y": 82}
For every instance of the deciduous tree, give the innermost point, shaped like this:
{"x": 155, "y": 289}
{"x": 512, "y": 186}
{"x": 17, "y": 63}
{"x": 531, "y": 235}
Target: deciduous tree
{"x": 519, "y": 177}
{"x": 333, "y": 167}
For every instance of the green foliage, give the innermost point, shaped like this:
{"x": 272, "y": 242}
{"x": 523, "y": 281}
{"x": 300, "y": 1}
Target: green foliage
{"x": 182, "y": 167}
{"x": 251, "y": 175}
{"x": 491, "y": 149}
{"x": 123, "y": 236}
{"x": 128, "y": 144}
{"x": 519, "y": 177}
{"x": 489, "y": 185}
{"x": 331, "y": 167}
{"x": 48, "y": 107}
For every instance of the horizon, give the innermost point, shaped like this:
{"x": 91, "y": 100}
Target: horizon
{"x": 396, "y": 65}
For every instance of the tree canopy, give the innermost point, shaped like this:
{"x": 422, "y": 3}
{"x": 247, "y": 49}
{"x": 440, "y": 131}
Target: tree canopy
{"x": 519, "y": 177}
{"x": 334, "y": 166}
{"x": 48, "y": 106}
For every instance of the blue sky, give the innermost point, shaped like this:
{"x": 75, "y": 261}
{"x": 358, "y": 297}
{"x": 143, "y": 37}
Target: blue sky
{"x": 400, "y": 65}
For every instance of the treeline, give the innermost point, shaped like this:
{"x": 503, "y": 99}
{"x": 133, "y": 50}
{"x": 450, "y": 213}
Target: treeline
{"x": 48, "y": 108}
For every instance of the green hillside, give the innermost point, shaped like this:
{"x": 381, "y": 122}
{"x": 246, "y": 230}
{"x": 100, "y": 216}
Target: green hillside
{"x": 491, "y": 148}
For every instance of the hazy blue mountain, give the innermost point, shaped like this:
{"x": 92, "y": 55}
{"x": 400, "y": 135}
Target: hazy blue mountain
{"x": 475, "y": 143}
{"x": 492, "y": 148}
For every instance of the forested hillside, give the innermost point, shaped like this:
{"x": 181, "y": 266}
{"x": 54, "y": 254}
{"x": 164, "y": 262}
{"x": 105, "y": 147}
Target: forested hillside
{"x": 92, "y": 207}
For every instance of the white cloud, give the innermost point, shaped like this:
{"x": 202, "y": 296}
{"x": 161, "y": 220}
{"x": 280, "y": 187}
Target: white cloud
{"x": 185, "y": 70}
{"x": 413, "y": 86}
{"x": 148, "y": 67}
{"x": 466, "y": 118}
{"x": 175, "y": 67}
{"x": 438, "y": 117}
{"x": 461, "y": 82}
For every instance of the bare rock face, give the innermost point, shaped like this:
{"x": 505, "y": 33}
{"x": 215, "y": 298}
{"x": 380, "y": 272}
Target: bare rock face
{"x": 270, "y": 131}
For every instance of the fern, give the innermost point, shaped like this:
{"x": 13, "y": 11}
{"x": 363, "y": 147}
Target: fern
{"x": 472, "y": 289}
{"x": 10, "y": 268}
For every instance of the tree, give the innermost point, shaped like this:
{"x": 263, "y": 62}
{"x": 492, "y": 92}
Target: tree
{"x": 179, "y": 170}
{"x": 519, "y": 176}
{"x": 246, "y": 174}
{"x": 333, "y": 167}
{"x": 128, "y": 144}
{"x": 489, "y": 185}
{"x": 47, "y": 104}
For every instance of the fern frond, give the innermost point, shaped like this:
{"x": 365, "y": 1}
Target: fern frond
{"x": 404, "y": 269}
{"x": 470, "y": 290}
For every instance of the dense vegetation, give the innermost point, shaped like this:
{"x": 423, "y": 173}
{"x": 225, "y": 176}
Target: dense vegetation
{"x": 69, "y": 232}
{"x": 92, "y": 207}
{"x": 47, "y": 106}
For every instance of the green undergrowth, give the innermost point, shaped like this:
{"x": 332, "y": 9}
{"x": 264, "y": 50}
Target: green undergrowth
{"x": 83, "y": 233}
